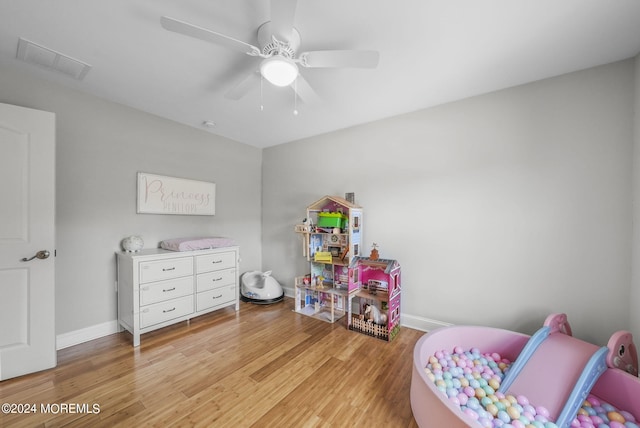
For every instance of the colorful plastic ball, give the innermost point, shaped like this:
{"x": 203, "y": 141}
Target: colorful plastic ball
{"x": 469, "y": 391}
{"x": 473, "y": 403}
{"x": 593, "y": 400}
{"x": 463, "y": 398}
{"x": 485, "y": 401}
{"x": 590, "y": 410}
{"x": 628, "y": 416}
{"x": 469, "y": 412}
{"x": 614, "y": 416}
{"x": 541, "y": 410}
{"x": 493, "y": 409}
{"x": 526, "y": 421}
{"x": 506, "y": 403}
{"x": 488, "y": 390}
{"x": 545, "y": 419}
{"x": 513, "y": 413}
{"x": 452, "y": 392}
{"x": 503, "y": 416}
{"x": 485, "y": 422}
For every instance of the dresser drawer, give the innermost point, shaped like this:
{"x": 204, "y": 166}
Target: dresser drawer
{"x": 210, "y": 280}
{"x": 215, "y": 297}
{"x": 211, "y": 262}
{"x": 165, "y": 290}
{"x": 165, "y": 311}
{"x": 165, "y": 269}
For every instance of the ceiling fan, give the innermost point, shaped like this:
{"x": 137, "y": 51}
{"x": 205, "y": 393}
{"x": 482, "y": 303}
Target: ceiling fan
{"x": 279, "y": 42}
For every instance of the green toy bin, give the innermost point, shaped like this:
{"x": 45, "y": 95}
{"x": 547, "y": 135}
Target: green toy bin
{"x": 326, "y": 219}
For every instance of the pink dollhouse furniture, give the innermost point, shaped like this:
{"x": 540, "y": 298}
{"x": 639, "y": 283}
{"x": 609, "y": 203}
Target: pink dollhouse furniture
{"x": 376, "y": 287}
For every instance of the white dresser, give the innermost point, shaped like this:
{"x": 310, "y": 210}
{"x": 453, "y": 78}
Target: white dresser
{"x": 157, "y": 288}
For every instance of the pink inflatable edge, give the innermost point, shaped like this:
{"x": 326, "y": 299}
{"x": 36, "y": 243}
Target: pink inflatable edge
{"x": 431, "y": 409}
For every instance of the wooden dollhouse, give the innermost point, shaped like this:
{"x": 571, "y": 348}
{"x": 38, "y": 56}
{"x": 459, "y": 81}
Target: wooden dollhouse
{"x": 332, "y": 236}
{"x": 374, "y": 305}
{"x": 342, "y": 282}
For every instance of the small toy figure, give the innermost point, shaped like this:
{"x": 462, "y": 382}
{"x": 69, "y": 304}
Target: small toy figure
{"x": 374, "y": 315}
{"x": 374, "y": 252}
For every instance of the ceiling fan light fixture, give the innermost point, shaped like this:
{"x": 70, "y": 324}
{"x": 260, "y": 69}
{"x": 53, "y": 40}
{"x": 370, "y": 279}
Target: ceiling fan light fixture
{"x": 279, "y": 70}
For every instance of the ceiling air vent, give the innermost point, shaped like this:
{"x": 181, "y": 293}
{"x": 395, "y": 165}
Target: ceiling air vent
{"x": 35, "y": 54}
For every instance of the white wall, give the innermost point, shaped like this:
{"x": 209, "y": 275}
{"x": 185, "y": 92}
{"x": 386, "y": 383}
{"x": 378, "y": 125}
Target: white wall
{"x": 635, "y": 285}
{"x": 100, "y": 148}
{"x": 501, "y": 208}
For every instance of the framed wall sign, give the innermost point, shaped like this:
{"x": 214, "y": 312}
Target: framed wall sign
{"x": 158, "y": 194}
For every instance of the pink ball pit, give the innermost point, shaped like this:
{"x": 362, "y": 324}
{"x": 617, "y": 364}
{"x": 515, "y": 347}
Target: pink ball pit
{"x": 432, "y": 409}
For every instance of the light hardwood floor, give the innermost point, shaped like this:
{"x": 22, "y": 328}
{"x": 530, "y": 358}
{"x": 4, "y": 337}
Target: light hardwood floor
{"x": 263, "y": 366}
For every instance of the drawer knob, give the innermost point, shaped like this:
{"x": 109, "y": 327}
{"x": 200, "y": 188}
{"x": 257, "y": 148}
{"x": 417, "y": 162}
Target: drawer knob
{"x": 217, "y": 297}
{"x": 168, "y": 310}
{"x": 216, "y": 261}
{"x": 164, "y": 270}
{"x": 216, "y": 279}
{"x": 169, "y": 289}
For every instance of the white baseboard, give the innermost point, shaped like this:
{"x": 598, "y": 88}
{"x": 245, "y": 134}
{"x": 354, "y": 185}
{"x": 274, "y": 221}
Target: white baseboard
{"x": 86, "y": 334}
{"x": 420, "y": 323}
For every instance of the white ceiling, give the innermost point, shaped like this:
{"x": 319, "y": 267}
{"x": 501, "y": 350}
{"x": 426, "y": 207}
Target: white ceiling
{"x": 431, "y": 52}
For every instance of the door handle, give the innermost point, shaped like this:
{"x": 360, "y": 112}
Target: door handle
{"x": 42, "y": 254}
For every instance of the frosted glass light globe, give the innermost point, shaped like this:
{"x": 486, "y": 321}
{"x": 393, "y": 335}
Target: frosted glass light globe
{"x": 279, "y": 70}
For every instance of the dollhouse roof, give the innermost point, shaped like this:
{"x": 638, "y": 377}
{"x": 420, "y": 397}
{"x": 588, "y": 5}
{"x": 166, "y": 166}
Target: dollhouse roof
{"x": 387, "y": 264}
{"x": 320, "y": 203}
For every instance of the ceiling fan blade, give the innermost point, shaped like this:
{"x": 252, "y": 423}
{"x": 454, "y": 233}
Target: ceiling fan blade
{"x": 282, "y": 15}
{"x": 243, "y": 86}
{"x": 191, "y": 30}
{"x": 339, "y": 59}
{"x": 304, "y": 91}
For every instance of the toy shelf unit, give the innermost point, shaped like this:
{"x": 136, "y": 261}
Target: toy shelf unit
{"x": 374, "y": 308}
{"x": 332, "y": 237}
{"x": 320, "y": 301}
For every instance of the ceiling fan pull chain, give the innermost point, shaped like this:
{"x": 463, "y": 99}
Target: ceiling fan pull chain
{"x": 295, "y": 97}
{"x": 261, "y": 103}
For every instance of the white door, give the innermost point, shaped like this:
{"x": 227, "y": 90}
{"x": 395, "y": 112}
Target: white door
{"x": 27, "y": 198}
